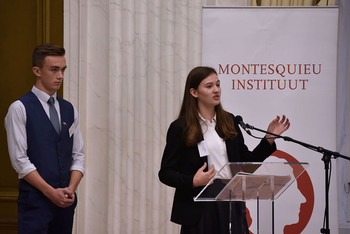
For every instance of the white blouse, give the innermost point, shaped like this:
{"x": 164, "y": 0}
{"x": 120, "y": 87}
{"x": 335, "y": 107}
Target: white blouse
{"x": 214, "y": 146}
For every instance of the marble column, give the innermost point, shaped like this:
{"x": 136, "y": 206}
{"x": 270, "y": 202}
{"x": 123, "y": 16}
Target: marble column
{"x": 127, "y": 64}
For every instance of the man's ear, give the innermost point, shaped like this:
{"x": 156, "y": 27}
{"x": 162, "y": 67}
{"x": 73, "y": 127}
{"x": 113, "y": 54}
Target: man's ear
{"x": 193, "y": 92}
{"x": 36, "y": 71}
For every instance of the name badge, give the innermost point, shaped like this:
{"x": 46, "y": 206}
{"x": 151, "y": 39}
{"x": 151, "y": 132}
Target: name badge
{"x": 72, "y": 129}
{"x": 202, "y": 148}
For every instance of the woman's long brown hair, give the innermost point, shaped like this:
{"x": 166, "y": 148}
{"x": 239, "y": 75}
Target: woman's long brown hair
{"x": 189, "y": 110}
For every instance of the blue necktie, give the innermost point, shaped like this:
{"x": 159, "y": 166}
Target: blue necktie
{"x": 53, "y": 114}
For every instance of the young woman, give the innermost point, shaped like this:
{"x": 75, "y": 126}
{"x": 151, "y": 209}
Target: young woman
{"x": 186, "y": 168}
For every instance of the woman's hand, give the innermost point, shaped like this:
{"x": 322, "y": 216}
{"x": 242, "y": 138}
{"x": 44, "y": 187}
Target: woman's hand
{"x": 201, "y": 177}
{"x": 277, "y": 126}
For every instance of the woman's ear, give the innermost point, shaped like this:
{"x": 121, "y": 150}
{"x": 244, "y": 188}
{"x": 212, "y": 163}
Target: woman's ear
{"x": 193, "y": 92}
{"x": 36, "y": 71}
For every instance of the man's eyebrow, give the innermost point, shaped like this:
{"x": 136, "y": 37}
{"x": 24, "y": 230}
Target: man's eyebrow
{"x": 57, "y": 67}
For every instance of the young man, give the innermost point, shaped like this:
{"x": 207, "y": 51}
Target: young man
{"x": 46, "y": 148}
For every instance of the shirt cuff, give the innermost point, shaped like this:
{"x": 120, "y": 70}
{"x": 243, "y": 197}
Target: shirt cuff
{"x": 26, "y": 171}
{"x": 77, "y": 168}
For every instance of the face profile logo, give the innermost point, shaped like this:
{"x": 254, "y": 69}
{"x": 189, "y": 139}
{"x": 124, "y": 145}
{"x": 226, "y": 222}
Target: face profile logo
{"x": 297, "y": 200}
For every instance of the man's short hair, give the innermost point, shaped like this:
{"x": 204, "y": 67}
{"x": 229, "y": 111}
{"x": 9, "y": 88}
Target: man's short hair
{"x": 43, "y": 50}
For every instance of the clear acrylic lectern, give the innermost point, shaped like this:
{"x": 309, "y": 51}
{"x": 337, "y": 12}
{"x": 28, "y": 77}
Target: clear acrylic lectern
{"x": 252, "y": 181}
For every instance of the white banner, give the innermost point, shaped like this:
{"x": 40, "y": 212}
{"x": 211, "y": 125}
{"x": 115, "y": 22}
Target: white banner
{"x": 274, "y": 61}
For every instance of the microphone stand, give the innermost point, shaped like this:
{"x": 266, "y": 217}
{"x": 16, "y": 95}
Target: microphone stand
{"x": 327, "y": 155}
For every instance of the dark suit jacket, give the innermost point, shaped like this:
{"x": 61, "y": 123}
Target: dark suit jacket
{"x": 180, "y": 163}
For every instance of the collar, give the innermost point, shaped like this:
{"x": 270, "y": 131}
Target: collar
{"x": 42, "y": 95}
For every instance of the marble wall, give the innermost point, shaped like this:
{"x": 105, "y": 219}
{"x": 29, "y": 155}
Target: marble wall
{"x": 127, "y": 64}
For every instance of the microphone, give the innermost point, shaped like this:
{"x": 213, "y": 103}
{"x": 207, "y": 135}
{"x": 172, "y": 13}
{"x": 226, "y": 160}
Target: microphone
{"x": 239, "y": 120}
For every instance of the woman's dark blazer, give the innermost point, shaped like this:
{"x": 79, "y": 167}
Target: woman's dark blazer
{"x": 180, "y": 164}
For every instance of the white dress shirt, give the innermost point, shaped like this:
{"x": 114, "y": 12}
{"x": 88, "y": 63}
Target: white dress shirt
{"x": 15, "y": 124}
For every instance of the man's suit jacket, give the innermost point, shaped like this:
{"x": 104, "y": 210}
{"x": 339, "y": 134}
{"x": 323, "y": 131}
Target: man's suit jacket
{"x": 180, "y": 163}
